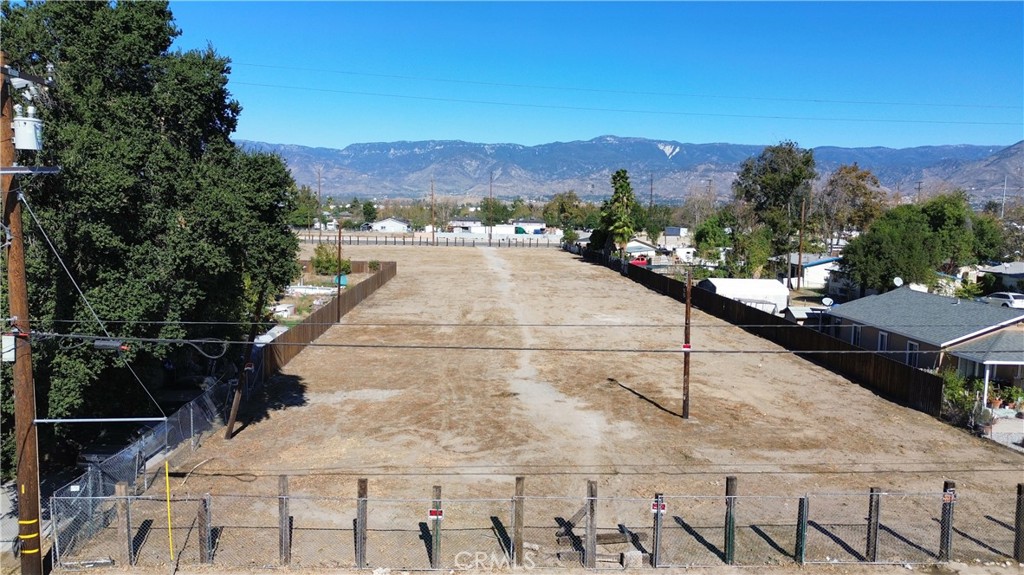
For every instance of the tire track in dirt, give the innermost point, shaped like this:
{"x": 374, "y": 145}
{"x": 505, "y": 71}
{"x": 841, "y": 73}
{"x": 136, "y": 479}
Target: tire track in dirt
{"x": 554, "y": 413}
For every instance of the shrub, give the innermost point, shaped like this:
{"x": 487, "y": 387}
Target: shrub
{"x": 958, "y": 397}
{"x": 325, "y": 262}
{"x": 374, "y": 265}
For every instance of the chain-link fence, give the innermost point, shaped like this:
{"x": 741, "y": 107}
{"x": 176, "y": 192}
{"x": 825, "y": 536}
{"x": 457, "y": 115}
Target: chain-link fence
{"x": 84, "y": 508}
{"x": 296, "y": 530}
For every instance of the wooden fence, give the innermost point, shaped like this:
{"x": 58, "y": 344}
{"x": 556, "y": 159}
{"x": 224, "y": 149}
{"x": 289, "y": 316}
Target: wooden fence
{"x": 518, "y": 241}
{"x": 892, "y": 379}
{"x": 287, "y": 345}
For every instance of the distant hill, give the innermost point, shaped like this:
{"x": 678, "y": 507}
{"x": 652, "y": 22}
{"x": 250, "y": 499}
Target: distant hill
{"x": 464, "y": 169}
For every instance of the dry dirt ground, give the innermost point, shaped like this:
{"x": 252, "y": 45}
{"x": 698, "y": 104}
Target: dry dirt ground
{"x": 476, "y": 365}
{"x": 586, "y": 384}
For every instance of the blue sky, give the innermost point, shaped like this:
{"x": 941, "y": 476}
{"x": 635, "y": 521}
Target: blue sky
{"x": 330, "y": 74}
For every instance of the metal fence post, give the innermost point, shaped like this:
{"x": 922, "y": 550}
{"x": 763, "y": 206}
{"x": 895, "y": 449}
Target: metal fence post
{"x": 659, "y": 502}
{"x": 284, "y": 521}
{"x": 946, "y": 524}
{"x": 435, "y": 540}
{"x": 361, "y": 524}
{"x": 800, "y": 552}
{"x": 590, "y": 547}
{"x": 730, "y": 519}
{"x": 1018, "y": 526}
{"x": 517, "y": 521}
{"x": 874, "y": 509}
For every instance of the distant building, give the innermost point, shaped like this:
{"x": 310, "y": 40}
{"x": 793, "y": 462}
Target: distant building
{"x": 766, "y": 295}
{"x": 392, "y": 225}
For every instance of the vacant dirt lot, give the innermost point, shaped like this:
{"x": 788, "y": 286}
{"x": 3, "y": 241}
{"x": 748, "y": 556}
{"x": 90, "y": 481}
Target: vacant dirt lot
{"x": 586, "y": 384}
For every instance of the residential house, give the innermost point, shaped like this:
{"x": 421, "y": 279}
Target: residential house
{"x": 1010, "y": 275}
{"x": 637, "y": 248}
{"x": 996, "y": 356}
{"x": 766, "y": 295}
{"x": 914, "y": 327}
{"x": 816, "y": 269}
{"x": 467, "y": 225}
{"x": 392, "y": 225}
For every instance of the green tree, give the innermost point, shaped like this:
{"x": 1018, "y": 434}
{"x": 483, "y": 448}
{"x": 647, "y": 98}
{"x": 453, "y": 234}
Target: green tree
{"x": 170, "y": 230}
{"x": 658, "y": 218}
{"x": 617, "y": 212}
{"x": 563, "y": 211}
{"x": 899, "y": 244}
{"x": 851, "y": 200}
{"x": 520, "y": 210}
{"x": 990, "y": 238}
{"x": 494, "y": 212}
{"x": 709, "y": 236}
{"x": 773, "y": 185}
{"x": 306, "y": 210}
{"x": 369, "y": 212}
{"x": 949, "y": 217}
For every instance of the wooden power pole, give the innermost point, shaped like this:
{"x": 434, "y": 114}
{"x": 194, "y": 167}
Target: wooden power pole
{"x": 686, "y": 347}
{"x": 26, "y": 438}
{"x": 433, "y": 222}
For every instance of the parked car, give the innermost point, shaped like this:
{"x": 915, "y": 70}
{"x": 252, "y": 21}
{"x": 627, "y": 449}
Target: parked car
{"x": 1005, "y": 299}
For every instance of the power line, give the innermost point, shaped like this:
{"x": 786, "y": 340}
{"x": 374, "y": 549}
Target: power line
{"x": 88, "y": 306}
{"x": 444, "y": 347}
{"x": 627, "y": 92}
{"x": 625, "y": 110}
{"x": 496, "y": 324}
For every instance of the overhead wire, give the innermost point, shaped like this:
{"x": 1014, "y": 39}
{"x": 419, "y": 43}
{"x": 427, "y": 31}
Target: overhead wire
{"x": 81, "y": 294}
{"x": 485, "y": 325}
{"x": 625, "y": 92}
{"x": 512, "y": 348}
{"x": 625, "y": 110}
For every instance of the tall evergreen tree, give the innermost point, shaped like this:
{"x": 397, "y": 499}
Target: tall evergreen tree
{"x": 617, "y": 213}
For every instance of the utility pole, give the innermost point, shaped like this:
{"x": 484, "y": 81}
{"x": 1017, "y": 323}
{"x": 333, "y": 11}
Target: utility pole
{"x": 650, "y": 211}
{"x": 919, "y": 182}
{"x": 338, "y": 278}
{"x": 433, "y": 222}
{"x": 686, "y": 347}
{"x": 650, "y": 206}
{"x": 26, "y": 438}
{"x": 319, "y": 204}
{"x": 1002, "y": 208}
{"x": 800, "y": 247}
{"x": 490, "y": 208}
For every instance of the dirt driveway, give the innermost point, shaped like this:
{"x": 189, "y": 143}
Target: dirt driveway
{"x": 585, "y": 383}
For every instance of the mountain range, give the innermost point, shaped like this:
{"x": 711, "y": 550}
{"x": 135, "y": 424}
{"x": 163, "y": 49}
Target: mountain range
{"x": 668, "y": 171}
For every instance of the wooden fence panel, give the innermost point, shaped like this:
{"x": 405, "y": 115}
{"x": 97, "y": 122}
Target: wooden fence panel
{"x": 288, "y": 345}
{"x": 897, "y": 381}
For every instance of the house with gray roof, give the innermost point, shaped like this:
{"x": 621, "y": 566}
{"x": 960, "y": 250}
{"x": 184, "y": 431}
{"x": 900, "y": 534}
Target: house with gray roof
{"x": 1010, "y": 274}
{"x": 997, "y": 356}
{"x": 917, "y": 328}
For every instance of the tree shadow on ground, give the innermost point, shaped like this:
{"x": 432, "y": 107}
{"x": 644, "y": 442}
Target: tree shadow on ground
{"x": 280, "y": 392}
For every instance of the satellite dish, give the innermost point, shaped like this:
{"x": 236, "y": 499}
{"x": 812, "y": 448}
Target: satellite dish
{"x": 827, "y": 301}
{"x": 898, "y": 281}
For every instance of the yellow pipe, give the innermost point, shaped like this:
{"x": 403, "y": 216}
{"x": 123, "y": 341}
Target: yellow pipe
{"x": 167, "y": 489}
